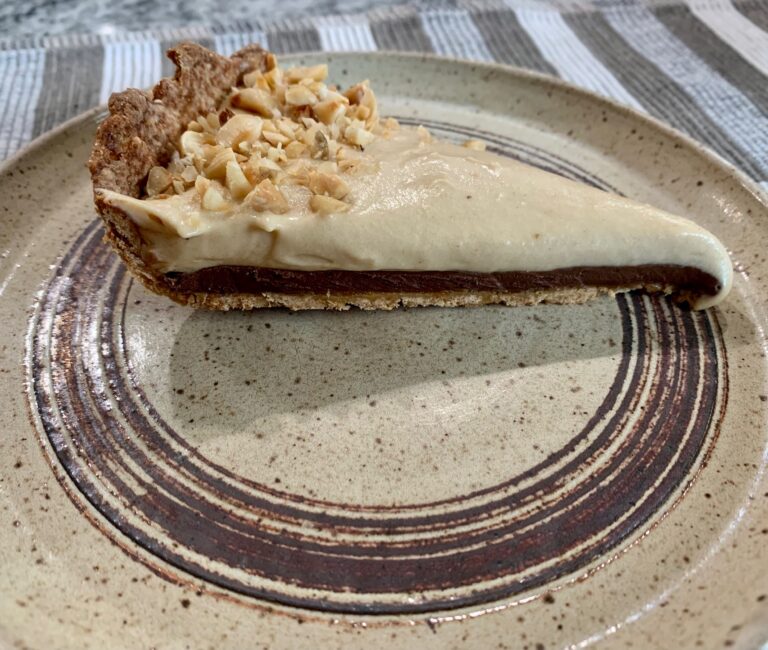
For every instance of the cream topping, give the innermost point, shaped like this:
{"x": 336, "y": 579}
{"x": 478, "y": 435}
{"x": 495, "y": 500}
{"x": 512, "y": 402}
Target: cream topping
{"x": 431, "y": 205}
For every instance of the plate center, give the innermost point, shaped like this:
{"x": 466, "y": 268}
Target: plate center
{"x": 375, "y": 409}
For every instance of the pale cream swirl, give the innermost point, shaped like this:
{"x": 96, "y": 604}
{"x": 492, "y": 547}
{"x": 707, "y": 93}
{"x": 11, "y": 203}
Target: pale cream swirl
{"x": 434, "y": 206}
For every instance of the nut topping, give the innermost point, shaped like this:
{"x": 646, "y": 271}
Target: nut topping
{"x": 239, "y": 128}
{"x": 321, "y": 147}
{"x": 328, "y": 184}
{"x": 213, "y": 199}
{"x": 314, "y": 73}
{"x": 237, "y": 183}
{"x": 475, "y": 145}
{"x": 266, "y": 197}
{"x": 253, "y": 99}
{"x": 278, "y": 127}
{"x": 300, "y": 96}
{"x": 158, "y": 180}
{"x": 325, "y": 205}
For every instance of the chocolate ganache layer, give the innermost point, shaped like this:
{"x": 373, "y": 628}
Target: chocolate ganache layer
{"x": 244, "y": 279}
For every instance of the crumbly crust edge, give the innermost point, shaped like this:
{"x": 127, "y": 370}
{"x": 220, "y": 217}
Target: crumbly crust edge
{"x": 390, "y": 301}
{"x": 141, "y": 131}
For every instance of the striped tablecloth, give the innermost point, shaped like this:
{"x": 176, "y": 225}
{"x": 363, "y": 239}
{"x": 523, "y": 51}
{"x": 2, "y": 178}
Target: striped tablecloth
{"x": 700, "y": 66}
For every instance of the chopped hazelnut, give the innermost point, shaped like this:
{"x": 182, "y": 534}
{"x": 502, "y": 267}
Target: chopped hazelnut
{"x": 189, "y": 174}
{"x": 198, "y": 162}
{"x": 276, "y": 154}
{"x": 176, "y": 164}
{"x": 158, "y": 180}
{"x": 357, "y": 166}
{"x": 236, "y": 181}
{"x": 328, "y": 111}
{"x": 325, "y": 205}
{"x": 287, "y": 127}
{"x": 275, "y": 138}
{"x": 279, "y": 95}
{"x": 265, "y": 197}
{"x": 214, "y": 200}
{"x": 253, "y": 99}
{"x": 257, "y": 169}
{"x": 358, "y": 136}
{"x": 202, "y": 123}
{"x": 475, "y": 145}
{"x": 269, "y": 163}
{"x": 362, "y": 96}
{"x": 315, "y": 73}
{"x": 300, "y": 96}
{"x": 274, "y": 77}
{"x": 238, "y": 128}
{"x": 191, "y": 143}
{"x": 295, "y": 149}
{"x": 362, "y": 113}
{"x": 217, "y": 166}
{"x": 328, "y": 185}
{"x": 355, "y": 93}
{"x": 320, "y": 147}
{"x": 201, "y": 185}
{"x": 255, "y": 79}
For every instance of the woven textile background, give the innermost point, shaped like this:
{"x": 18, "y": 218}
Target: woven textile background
{"x": 701, "y": 66}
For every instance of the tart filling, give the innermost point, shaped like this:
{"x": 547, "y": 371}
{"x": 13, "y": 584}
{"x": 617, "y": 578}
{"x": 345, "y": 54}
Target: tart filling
{"x": 294, "y": 186}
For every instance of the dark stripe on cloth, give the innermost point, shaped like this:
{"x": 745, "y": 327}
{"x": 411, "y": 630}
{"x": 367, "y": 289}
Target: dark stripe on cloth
{"x": 717, "y": 54}
{"x": 283, "y": 39}
{"x": 660, "y": 95}
{"x": 71, "y": 85}
{"x": 508, "y": 42}
{"x": 756, "y": 11}
{"x": 402, "y": 32}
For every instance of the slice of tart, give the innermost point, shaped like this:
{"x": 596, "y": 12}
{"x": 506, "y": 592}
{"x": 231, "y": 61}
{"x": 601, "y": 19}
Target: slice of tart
{"x": 238, "y": 184}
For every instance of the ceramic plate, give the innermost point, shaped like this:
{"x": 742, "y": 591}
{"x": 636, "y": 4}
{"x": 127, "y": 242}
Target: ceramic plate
{"x": 483, "y": 478}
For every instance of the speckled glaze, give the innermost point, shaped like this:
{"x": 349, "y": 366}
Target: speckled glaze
{"x": 529, "y": 477}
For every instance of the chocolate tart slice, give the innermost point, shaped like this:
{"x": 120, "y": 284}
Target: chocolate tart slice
{"x": 238, "y": 184}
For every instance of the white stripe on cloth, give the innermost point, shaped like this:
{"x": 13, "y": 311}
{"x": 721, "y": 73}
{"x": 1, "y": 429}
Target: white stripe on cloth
{"x": 740, "y": 120}
{"x": 130, "y": 64}
{"x": 21, "y": 80}
{"x": 227, "y": 44}
{"x": 561, "y": 47}
{"x": 453, "y": 33}
{"x": 735, "y": 29}
{"x": 345, "y": 34}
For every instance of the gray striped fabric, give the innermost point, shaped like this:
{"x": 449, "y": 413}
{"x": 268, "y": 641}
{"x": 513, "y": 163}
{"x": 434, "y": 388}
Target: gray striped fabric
{"x": 700, "y": 65}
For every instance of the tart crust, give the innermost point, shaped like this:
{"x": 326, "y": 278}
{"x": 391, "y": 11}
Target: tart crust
{"x": 141, "y": 132}
{"x": 389, "y": 301}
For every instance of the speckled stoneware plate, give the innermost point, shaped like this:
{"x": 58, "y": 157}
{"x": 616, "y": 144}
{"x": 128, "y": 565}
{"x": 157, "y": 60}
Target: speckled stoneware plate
{"x": 483, "y": 478}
